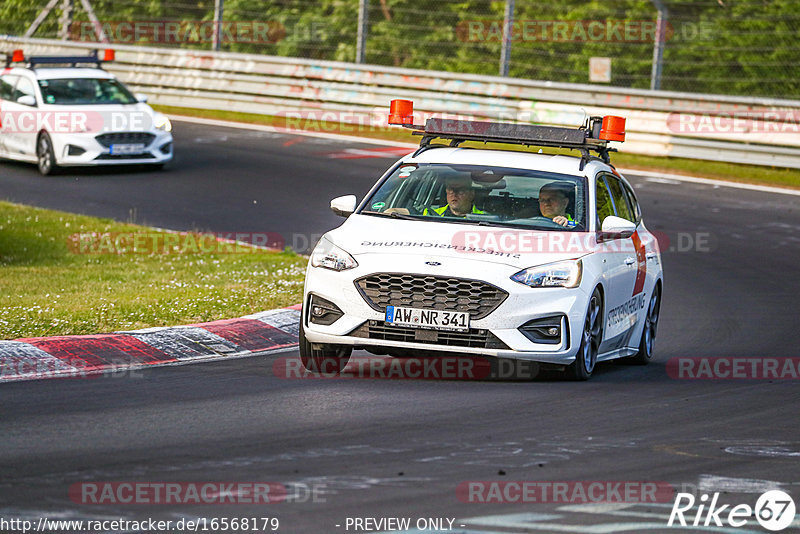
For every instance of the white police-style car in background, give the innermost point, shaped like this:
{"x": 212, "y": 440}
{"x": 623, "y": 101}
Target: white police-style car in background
{"x": 405, "y": 276}
{"x": 67, "y": 111}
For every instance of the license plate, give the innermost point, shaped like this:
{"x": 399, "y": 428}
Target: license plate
{"x": 431, "y": 319}
{"x": 127, "y": 149}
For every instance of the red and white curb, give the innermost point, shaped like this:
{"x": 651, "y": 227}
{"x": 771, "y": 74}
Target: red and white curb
{"x": 74, "y": 356}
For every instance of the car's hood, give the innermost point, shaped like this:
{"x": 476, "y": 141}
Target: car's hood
{"x": 365, "y": 234}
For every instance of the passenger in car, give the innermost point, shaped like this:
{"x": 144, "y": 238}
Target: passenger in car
{"x": 553, "y": 202}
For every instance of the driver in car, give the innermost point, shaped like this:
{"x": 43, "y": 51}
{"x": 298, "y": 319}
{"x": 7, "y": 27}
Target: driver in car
{"x": 460, "y": 199}
{"x": 553, "y": 201}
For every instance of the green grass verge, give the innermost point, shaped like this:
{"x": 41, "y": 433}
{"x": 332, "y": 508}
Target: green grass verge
{"x": 50, "y": 285}
{"x": 776, "y": 176}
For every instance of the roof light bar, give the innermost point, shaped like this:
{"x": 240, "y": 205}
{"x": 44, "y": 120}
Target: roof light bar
{"x": 592, "y": 136}
{"x": 92, "y": 59}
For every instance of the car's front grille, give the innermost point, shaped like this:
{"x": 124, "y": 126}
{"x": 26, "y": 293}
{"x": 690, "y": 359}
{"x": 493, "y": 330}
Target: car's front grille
{"x": 476, "y": 338}
{"x": 430, "y": 292}
{"x": 127, "y": 138}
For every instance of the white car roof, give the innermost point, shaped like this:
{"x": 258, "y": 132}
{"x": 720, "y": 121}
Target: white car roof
{"x": 53, "y": 73}
{"x": 504, "y": 158}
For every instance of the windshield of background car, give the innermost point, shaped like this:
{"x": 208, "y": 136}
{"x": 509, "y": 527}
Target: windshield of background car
{"x": 498, "y": 196}
{"x": 72, "y": 91}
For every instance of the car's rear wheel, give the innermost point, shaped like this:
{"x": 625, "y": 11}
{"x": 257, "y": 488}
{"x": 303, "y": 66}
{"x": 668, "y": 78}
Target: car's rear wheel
{"x": 645, "y": 354}
{"x": 591, "y": 335}
{"x": 325, "y": 359}
{"x": 45, "y": 156}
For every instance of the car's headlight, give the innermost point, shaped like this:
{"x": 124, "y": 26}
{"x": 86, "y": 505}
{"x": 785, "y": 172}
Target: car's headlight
{"x": 161, "y": 122}
{"x": 558, "y": 274}
{"x": 329, "y": 256}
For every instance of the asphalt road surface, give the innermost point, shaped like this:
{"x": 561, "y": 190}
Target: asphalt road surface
{"x": 346, "y": 449}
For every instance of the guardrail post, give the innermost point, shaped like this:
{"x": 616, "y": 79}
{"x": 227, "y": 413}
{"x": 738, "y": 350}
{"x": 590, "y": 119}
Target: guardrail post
{"x": 505, "y": 52}
{"x": 361, "y": 44}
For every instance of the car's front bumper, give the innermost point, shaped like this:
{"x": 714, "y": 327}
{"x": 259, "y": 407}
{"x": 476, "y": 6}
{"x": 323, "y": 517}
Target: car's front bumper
{"x": 522, "y": 305}
{"x": 85, "y": 150}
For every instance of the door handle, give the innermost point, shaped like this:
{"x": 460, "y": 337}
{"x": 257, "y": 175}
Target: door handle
{"x": 629, "y": 261}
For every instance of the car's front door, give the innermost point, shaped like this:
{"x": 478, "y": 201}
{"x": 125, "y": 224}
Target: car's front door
{"x": 619, "y": 261}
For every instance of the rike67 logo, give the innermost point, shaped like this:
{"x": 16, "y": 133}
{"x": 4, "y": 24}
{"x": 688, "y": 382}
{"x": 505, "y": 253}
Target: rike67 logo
{"x": 774, "y": 510}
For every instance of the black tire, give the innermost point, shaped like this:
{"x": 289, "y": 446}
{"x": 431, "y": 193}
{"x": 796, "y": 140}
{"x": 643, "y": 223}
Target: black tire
{"x": 645, "y": 354}
{"x": 591, "y": 335}
{"x": 45, "y": 156}
{"x": 328, "y": 360}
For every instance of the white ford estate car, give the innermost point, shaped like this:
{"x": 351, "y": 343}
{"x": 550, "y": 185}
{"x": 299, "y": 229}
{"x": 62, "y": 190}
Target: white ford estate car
{"x": 482, "y": 252}
{"x": 59, "y": 111}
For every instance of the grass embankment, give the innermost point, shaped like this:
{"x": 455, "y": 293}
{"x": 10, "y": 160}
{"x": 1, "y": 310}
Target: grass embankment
{"x": 70, "y": 274}
{"x": 753, "y": 174}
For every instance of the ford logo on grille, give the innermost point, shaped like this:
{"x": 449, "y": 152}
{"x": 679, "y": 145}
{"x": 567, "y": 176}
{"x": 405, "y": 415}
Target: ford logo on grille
{"x": 433, "y": 263}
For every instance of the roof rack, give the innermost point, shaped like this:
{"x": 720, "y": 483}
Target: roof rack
{"x": 594, "y": 135}
{"x": 73, "y": 61}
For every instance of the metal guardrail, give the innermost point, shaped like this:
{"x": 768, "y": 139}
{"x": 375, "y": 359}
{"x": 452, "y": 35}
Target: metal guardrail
{"x": 755, "y": 131}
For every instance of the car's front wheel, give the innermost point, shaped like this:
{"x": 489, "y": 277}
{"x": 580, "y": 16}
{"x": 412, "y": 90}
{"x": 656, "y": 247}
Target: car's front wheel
{"x": 645, "y": 354}
{"x": 329, "y": 360}
{"x": 591, "y": 336}
{"x": 45, "y": 156}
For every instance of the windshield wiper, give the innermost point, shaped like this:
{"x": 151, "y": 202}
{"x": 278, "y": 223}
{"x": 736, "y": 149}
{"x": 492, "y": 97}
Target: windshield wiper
{"x": 393, "y": 215}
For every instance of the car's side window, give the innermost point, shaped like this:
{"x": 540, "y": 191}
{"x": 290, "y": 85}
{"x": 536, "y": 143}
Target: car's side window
{"x": 637, "y": 211}
{"x": 7, "y": 87}
{"x": 624, "y": 209}
{"x": 604, "y": 206}
{"x": 24, "y": 88}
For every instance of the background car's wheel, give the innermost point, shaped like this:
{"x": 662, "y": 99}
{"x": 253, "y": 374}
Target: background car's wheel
{"x": 591, "y": 335}
{"x": 647, "y": 342}
{"x": 45, "y": 157}
{"x": 327, "y": 361}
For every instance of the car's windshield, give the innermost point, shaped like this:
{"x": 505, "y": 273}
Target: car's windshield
{"x": 69, "y": 91}
{"x": 498, "y": 196}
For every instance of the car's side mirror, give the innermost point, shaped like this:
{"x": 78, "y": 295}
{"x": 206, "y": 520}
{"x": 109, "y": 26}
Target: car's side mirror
{"x": 27, "y": 100}
{"x": 616, "y": 228}
{"x": 344, "y": 206}
{"x": 141, "y": 98}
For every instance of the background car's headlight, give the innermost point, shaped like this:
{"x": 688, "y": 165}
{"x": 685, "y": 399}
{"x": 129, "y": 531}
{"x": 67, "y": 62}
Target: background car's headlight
{"x": 329, "y": 256}
{"x": 558, "y": 274}
{"x": 161, "y": 122}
